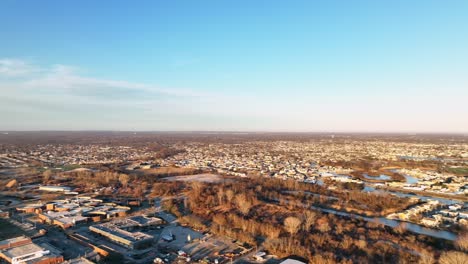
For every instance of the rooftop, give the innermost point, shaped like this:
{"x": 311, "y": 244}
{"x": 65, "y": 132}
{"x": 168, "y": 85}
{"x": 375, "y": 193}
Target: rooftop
{"x": 14, "y": 240}
{"x": 291, "y": 261}
{"x": 130, "y": 236}
{"x": 22, "y": 250}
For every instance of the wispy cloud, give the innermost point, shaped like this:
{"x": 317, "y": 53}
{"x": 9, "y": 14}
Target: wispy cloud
{"x": 35, "y": 96}
{"x": 67, "y": 79}
{"x": 15, "y": 67}
{"x": 52, "y": 94}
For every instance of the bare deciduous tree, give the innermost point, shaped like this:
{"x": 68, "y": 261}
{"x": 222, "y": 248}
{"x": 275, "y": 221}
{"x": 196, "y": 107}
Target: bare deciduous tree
{"x": 243, "y": 204}
{"x": 46, "y": 176}
{"x": 308, "y": 219}
{"x": 229, "y": 195}
{"x": 453, "y": 257}
{"x": 426, "y": 257}
{"x": 123, "y": 179}
{"x": 462, "y": 242}
{"x": 292, "y": 224}
{"x": 220, "y": 195}
{"x": 220, "y": 220}
{"x": 197, "y": 188}
{"x": 323, "y": 225}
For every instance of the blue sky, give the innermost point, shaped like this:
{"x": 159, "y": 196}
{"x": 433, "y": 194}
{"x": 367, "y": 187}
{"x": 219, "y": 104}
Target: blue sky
{"x": 373, "y": 66}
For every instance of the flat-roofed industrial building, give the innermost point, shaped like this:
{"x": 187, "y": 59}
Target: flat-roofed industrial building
{"x": 23, "y": 250}
{"x": 132, "y": 240}
{"x": 54, "y": 188}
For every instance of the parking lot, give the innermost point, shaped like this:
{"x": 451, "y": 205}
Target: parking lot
{"x": 215, "y": 247}
{"x": 181, "y": 236}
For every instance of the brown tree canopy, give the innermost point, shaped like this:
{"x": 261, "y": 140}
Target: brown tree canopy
{"x": 292, "y": 224}
{"x": 453, "y": 257}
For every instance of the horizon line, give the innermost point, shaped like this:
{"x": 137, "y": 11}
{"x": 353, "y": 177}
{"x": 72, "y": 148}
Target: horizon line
{"x": 241, "y": 131}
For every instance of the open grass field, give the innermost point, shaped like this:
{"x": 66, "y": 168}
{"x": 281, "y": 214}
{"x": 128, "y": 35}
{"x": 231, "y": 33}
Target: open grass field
{"x": 162, "y": 172}
{"x": 459, "y": 171}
